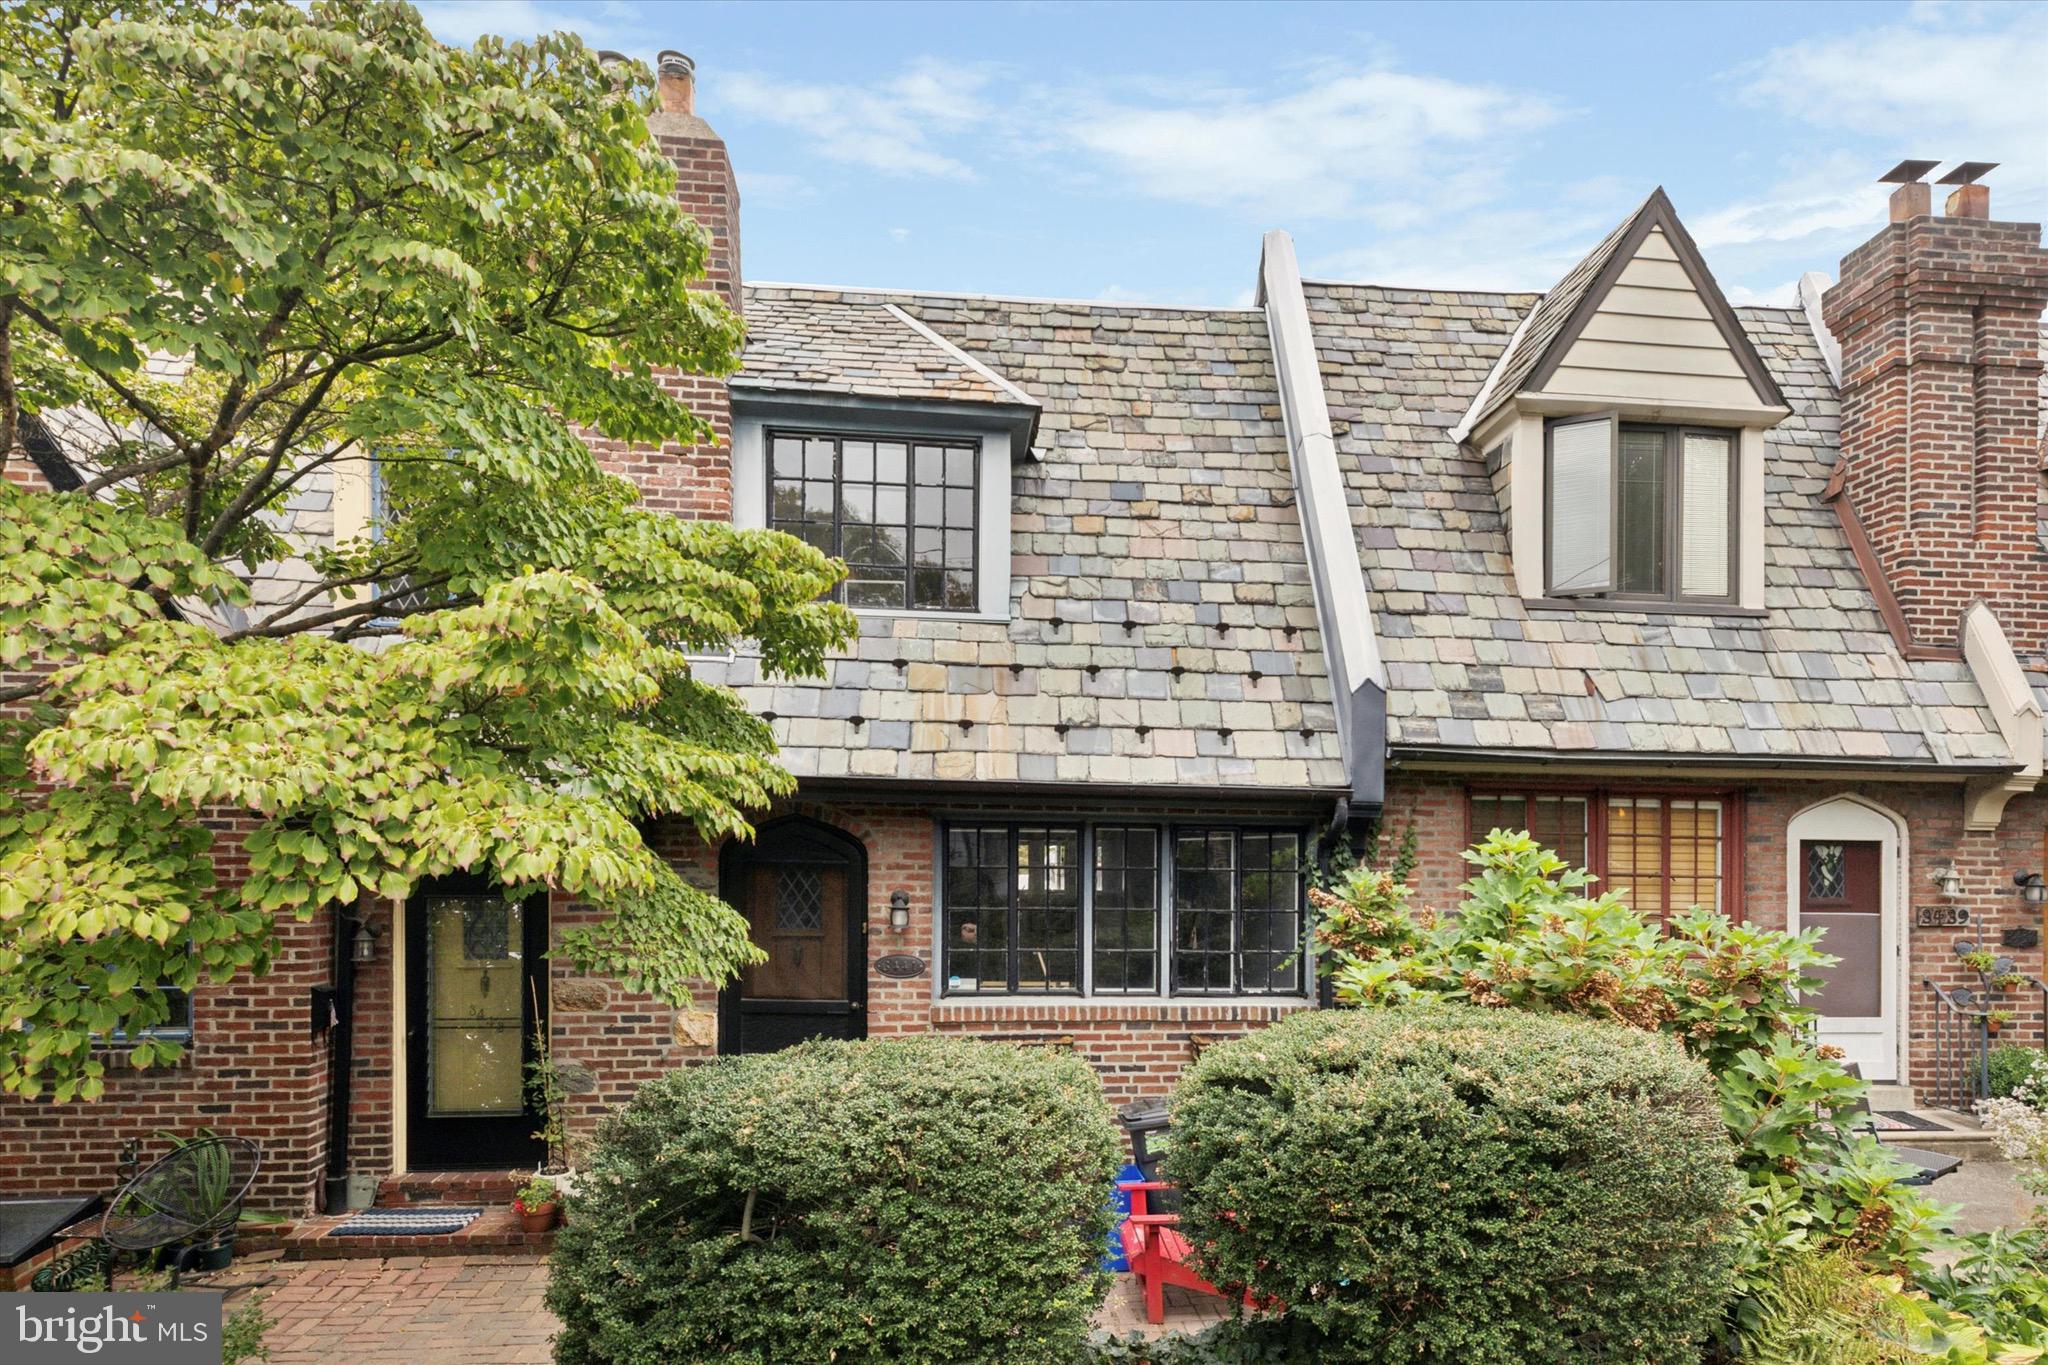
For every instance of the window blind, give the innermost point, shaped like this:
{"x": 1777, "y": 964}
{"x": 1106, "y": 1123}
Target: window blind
{"x": 1703, "y": 566}
{"x": 1582, "y": 507}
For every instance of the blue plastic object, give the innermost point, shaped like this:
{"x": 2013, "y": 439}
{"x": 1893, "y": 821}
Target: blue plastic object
{"x": 1113, "y": 1259}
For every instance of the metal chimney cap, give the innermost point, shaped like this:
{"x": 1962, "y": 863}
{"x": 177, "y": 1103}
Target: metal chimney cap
{"x": 1968, "y": 173}
{"x": 670, "y": 62}
{"x": 1906, "y": 172}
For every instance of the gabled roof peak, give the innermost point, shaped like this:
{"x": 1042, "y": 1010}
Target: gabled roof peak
{"x": 1555, "y": 322}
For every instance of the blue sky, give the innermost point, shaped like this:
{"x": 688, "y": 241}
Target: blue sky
{"x": 1137, "y": 152}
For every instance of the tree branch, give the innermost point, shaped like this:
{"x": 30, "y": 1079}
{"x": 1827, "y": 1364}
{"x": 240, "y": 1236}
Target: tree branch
{"x": 379, "y": 608}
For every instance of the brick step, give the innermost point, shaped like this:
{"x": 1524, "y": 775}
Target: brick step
{"x": 495, "y": 1232}
{"x": 450, "y": 1187}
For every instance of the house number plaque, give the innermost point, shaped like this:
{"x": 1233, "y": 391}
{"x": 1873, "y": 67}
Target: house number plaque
{"x": 1941, "y": 916}
{"x": 900, "y": 966}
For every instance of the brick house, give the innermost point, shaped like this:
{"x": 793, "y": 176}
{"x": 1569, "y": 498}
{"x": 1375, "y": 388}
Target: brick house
{"x": 1738, "y": 607}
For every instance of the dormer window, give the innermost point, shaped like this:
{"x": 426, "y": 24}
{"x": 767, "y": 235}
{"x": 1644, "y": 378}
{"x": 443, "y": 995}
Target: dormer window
{"x": 1639, "y": 511}
{"x": 900, "y": 510}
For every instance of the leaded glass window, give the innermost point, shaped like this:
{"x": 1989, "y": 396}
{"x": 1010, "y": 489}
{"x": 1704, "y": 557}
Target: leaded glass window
{"x": 902, "y": 512}
{"x": 1824, "y": 880}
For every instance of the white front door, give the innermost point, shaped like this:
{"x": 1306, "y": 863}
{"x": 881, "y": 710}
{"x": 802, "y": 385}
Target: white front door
{"x": 1843, "y": 878}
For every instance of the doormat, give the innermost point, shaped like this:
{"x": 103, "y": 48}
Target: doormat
{"x": 435, "y": 1222}
{"x": 1899, "y": 1121}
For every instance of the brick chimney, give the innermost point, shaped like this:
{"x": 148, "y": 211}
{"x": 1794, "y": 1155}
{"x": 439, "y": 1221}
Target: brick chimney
{"x": 704, "y": 178}
{"x": 1938, "y": 318}
{"x": 695, "y": 483}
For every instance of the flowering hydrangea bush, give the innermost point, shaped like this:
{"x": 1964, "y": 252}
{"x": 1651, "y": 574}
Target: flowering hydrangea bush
{"x": 2019, "y": 1125}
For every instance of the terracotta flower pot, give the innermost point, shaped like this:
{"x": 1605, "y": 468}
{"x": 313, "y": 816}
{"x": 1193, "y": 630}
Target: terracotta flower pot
{"x": 539, "y": 1218}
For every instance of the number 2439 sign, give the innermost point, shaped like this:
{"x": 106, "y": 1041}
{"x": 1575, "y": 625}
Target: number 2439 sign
{"x": 1941, "y": 916}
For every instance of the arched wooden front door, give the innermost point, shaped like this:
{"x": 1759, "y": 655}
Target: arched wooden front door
{"x": 803, "y": 888}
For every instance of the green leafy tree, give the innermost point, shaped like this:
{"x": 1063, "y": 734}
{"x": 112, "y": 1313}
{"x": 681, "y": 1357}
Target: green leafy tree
{"x": 245, "y": 249}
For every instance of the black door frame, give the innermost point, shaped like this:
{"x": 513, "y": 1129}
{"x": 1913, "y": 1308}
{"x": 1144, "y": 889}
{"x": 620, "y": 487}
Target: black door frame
{"x": 799, "y": 840}
{"x": 480, "y": 1143}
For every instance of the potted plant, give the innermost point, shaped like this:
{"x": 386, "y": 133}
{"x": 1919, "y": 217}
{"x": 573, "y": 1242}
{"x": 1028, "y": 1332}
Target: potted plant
{"x": 536, "y": 1204}
{"x": 549, "y": 1099}
{"x": 1994, "y": 1020}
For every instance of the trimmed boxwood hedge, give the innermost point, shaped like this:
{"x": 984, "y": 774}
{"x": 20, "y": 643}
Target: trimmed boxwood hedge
{"x": 1444, "y": 1183}
{"x": 915, "y": 1200}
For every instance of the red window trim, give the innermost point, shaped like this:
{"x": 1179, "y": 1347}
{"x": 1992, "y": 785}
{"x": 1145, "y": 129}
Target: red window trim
{"x": 1734, "y": 828}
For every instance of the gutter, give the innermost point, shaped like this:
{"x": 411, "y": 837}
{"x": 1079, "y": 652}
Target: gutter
{"x": 1902, "y": 769}
{"x": 1358, "y": 676}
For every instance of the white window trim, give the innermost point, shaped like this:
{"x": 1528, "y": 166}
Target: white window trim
{"x": 1086, "y": 994}
{"x": 1520, "y": 423}
{"x": 992, "y": 528}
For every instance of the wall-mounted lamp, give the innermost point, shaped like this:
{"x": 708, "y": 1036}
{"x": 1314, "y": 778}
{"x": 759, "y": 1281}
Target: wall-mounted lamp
{"x": 1948, "y": 881}
{"x": 363, "y": 948}
{"x": 899, "y": 911}
{"x": 2033, "y": 889}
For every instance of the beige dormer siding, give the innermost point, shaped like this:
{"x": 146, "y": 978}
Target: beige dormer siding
{"x": 1653, "y": 338}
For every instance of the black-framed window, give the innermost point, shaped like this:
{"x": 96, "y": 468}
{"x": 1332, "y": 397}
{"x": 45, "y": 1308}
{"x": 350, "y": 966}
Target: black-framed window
{"x": 1640, "y": 511}
{"x": 1236, "y": 912}
{"x": 902, "y": 511}
{"x": 1013, "y": 908}
{"x": 176, "y": 1024}
{"x": 1189, "y": 911}
{"x": 1125, "y": 905}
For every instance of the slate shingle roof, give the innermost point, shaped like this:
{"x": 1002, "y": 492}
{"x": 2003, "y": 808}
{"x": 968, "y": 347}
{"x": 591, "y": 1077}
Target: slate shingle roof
{"x": 827, "y": 341}
{"x": 1470, "y": 667}
{"x": 1163, "y": 628}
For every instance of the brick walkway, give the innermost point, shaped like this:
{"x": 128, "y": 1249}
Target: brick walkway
{"x": 486, "y": 1310}
{"x": 408, "y": 1310}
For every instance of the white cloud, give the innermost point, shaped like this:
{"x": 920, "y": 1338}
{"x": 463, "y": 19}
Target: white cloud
{"x": 601, "y": 25}
{"x": 1505, "y": 249}
{"x": 773, "y": 189}
{"x": 901, "y": 234}
{"x": 894, "y": 126}
{"x": 1339, "y": 142}
{"x": 1957, "y": 81}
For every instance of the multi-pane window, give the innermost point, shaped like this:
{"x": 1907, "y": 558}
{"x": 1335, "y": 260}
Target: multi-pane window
{"x": 177, "y": 1023}
{"x": 1663, "y": 854}
{"x": 1190, "y": 911}
{"x": 1013, "y": 908}
{"x": 901, "y": 511}
{"x": 1126, "y": 910}
{"x": 1641, "y": 512}
{"x": 1557, "y": 822}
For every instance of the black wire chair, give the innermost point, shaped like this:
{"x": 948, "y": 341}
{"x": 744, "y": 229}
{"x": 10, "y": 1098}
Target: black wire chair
{"x": 190, "y": 1198}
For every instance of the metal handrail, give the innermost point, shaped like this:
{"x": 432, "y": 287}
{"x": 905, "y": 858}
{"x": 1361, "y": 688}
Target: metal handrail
{"x": 1962, "y": 1048}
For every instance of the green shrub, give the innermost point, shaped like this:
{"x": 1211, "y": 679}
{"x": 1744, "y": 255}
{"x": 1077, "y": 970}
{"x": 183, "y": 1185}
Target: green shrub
{"x": 1532, "y": 936}
{"x": 915, "y": 1200}
{"x": 1444, "y": 1183}
{"x": 2012, "y": 1065}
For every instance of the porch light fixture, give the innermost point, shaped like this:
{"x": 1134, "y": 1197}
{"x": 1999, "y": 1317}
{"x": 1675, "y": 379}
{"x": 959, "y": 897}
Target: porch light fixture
{"x": 899, "y": 911}
{"x": 1948, "y": 881}
{"x": 363, "y": 948}
{"x": 2033, "y": 889}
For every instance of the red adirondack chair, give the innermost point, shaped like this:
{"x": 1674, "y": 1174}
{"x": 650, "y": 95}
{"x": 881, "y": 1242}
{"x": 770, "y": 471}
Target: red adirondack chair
{"x": 1158, "y": 1254}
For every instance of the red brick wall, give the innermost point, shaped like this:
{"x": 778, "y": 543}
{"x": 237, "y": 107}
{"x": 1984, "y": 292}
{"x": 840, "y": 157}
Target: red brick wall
{"x": 695, "y": 482}
{"x": 1933, "y": 817}
{"x": 1138, "y": 1047}
{"x": 1938, "y": 319}
{"x": 254, "y": 1069}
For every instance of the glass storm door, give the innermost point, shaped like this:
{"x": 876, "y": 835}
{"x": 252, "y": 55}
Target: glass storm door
{"x": 803, "y": 890}
{"x": 1841, "y": 891}
{"x": 474, "y": 981}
